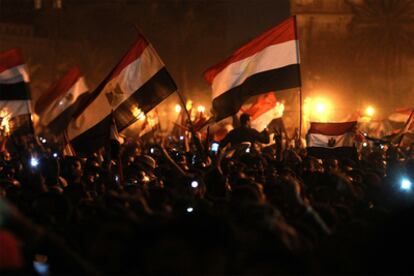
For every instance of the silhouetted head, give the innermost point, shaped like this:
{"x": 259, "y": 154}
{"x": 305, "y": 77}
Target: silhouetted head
{"x": 245, "y": 119}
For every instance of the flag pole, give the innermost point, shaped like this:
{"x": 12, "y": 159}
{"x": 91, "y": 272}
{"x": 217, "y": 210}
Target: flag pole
{"x": 300, "y": 79}
{"x": 196, "y": 140}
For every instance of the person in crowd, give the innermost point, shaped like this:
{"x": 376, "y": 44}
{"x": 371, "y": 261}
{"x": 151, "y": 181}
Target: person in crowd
{"x": 245, "y": 133}
{"x": 162, "y": 208}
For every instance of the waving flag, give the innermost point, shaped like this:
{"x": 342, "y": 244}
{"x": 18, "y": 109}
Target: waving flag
{"x": 332, "y": 140}
{"x": 267, "y": 63}
{"x": 265, "y": 109}
{"x": 137, "y": 84}
{"x": 405, "y": 136}
{"x": 58, "y": 104}
{"x": 15, "y": 106}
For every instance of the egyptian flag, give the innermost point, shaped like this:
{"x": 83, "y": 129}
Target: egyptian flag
{"x": 399, "y": 118}
{"x": 58, "y": 104}
{"x": 15, "y": 106}
{"x": 332, "y": 140}
{"x": 263, "y": 110}
{"x": 269, "y": 62}
{"x": 136, "y": 85}
{"x": 405, "y": 136}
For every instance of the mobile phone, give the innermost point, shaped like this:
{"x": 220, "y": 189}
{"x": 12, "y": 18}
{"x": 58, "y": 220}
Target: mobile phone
{"x": 214, "y": 147}
{"x": 41, "y": 268}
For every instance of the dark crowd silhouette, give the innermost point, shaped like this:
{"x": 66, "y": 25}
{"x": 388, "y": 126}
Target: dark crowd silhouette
{"x": 165, "y": 206}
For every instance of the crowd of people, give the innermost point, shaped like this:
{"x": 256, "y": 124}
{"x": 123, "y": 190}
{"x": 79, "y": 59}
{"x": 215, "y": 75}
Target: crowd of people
{"x": 175, "y": 207}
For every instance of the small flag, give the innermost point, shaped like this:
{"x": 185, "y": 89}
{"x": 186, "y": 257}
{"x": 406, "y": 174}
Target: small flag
{"x": 15, "y": 103}
{"x": 136, "y": 85}
{"x": 269, "y": 62}
{"x": 332, "y": 140}
{"x": 58, "y": 104}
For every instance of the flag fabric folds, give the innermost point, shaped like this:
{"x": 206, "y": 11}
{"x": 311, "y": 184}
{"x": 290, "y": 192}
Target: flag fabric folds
{"x": 15, "y": 102}
{"x": 137, "y": 84}
{"x": 267, "y": 63}
{"x": 149, "y": 127}
{"x": 264, "y": 110}
{"x": 406, "y": 135}
{"x": 59, "y": 103}
{"x": 332, "y": 140}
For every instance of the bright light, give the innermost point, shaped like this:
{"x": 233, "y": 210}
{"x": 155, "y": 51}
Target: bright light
{"x": 34, "y": 162}
{"x": 194, "y": 184}
{"x": 137, "y": 113}
{"x": 364, "y": 144}
{"x": 320, "y": 107}
{"x": 201, "y": 108}
{"x": 189, "y": 105}
{"x": 406, "y": 184}
{"x": 370, "y": 111}
{"x": 55, "y": 155}
{"x": 190, "y": 209}
{"x": 279, "y": 109}
{"x": 316, "y": 109}
{"x": 5, "y": 121}
{"x": 178, "y": 108}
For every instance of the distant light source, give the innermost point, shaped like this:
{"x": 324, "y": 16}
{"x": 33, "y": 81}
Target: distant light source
{"x": 190, "y": 209}
{"x": 194, "y": 184}
{"x": 320, "y": 107}
{"x": 178, "y": 108}
{"x": 201, "y": 108}
{"x": 370, "y": 111}
{"x": 406, "y": 184}
{"x": 189, "y": 104}
{"x": 34, "y": 162}
{"x": 137, "y": 113}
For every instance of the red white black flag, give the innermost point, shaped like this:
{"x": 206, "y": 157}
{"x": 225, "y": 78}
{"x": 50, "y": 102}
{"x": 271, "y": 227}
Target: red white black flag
{"x": 15, "y": 103}
{"x": 270, "y": 62}
{"x": 58, "y": 104}
{"x": 136, "y": 85}
{"x": 332, "y": 140}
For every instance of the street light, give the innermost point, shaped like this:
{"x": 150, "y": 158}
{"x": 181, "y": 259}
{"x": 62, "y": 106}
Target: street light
{"x": 370, "y": 111}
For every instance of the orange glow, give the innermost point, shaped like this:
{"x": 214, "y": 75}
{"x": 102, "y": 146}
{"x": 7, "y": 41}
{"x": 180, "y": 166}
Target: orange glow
{"x": 138, "y": 113}
{"x": 370, "y": 111}
{"x": 189, "y": 105}
{"x": 5, "y": 118}
{"x": 201, "y": 108}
